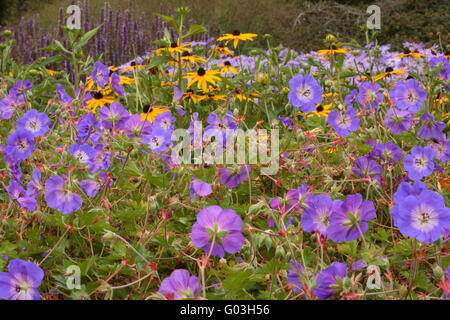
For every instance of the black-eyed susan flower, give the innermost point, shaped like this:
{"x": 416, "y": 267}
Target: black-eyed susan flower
{"x": 408, "y": 53}
{"x": 99, "y": 99}
{"x": 202, "y": 77}
{"x": 242, "y": 97}
{"x": 237, "y": 36}
{"x": 334, "y": 50}
{"x": 190, "y": 95}
{"x": 322, "y": 110}
{"x": 187, "y": 57}
{"x": 215, "y": 97}
{"x": 389, "y": 72}
{"x": 133, "y": 66}
{"x": 222, "y": 50}
{"x": 227, "y": 68}
{"x": 150, "y": 113}
{"x": 174, "y": 47}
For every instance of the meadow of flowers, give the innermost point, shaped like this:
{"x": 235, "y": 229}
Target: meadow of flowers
{"x": 358, "y": 208}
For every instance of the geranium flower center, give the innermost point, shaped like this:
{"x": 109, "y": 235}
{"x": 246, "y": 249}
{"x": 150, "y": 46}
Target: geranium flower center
{"x": 420, "y": 162}
{"x": 22, "y": 145}
{"x": 344, "y": 121}
{"x": 33, "y": 125}
{"x": 412, "y": 97}
{"x": 424, "y": 218}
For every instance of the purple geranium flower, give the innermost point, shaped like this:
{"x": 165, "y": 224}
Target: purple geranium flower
{"x": 20, "y": 145}
{"x": 179, "y": 285}
{"x": 365, "y": 167}
{"x": 22, "y": 281}
{"x": 114, "y": 116}
{"x": 286, "y": 121}
{"x": 423, "y": 216}
{"x": 62, "y": 94}
{"x": 177, "y": 94}
{"x": 7, "y": 107}
{"x": 157, "y": 140}
{"x": 442, "y": 150}
{"x": 305, "y": 93}
{"x": 419, "y": 163}
{"x": 231, "y": 178}
{"x": 369, "y": 96}
{"x": 35, "y": 122}
{"x": 86, "y": 127}
{"x": 294, "y": 276}
{"x": 164, "y": 121}
{"x": 116, "y": 85}
{"x": 300, "y": 197}
{"x": 223, "y": 226}
{"x": 136, "y": 127}
{"x": 59, "y": 198}
{"x": 327, "y": 282}
{"x": 101, "y": 160}
{"x": 83, "y": 152}
{"x": 90, "y": 187}
{"x": 397, "y": 120}
{"x": 404, "y": 190}
{"x": 345, "y": 122}
{"x": 408, "y": 95}
{"x": 18, "y": 193}
{"x": 316, "y": 217}
{"x": 388, "y": 152}
{"x": 20, "y": 88}
{"x": 223, "y": 127}
{"x": 35, "y": 184}
{"x": 351, "y": 97}
{"x": 349, "y": 219}
{"x": 359, "y": 264}
{"x": 199, "y": 188}
{"x": 100, "y": 74}
{"x": 430, "y": 128}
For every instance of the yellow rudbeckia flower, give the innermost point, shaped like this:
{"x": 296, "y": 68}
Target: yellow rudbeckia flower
{"x": 202, "y": 77}
{"x": 237, "y": 36}
{"x": 150, "y": 113}
{"x": 389, "y": 72}
{"x": 100, "y": 99}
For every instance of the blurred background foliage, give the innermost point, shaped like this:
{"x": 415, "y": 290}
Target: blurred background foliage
{"x": 299, "y": 24}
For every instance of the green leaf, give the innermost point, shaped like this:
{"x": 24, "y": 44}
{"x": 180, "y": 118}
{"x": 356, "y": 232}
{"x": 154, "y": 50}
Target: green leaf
{"x": 168, "y": 19}
{"x": 194, "y": 29}
{"x": 158, "y": 60}
{"x": 50, "y": 60}
{"x": 236, "y": 281}
{"x": 88, "y": 36}
{"x": 57, "y": 47}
